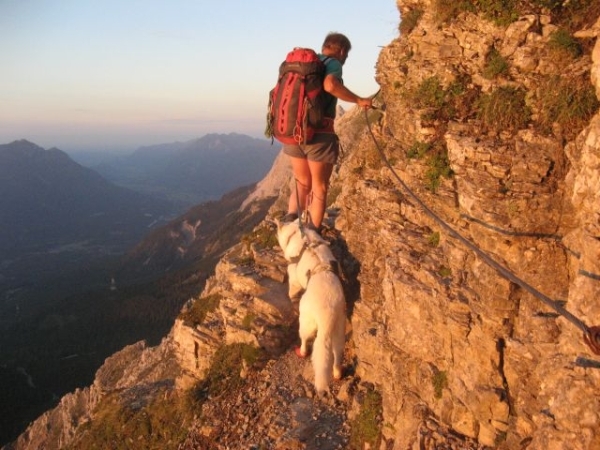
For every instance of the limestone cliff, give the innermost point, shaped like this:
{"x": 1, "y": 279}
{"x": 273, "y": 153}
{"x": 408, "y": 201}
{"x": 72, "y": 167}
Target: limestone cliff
{"x": 440, "y": 331}
{"x": 480, "y": 164}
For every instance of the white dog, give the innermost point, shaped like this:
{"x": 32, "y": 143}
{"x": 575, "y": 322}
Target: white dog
{"x": 312, "y": 268}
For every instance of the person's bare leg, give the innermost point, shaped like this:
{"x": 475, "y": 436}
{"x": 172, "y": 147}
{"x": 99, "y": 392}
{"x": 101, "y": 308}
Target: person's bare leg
{"x": 320, "y": 173}
{"x": 302, "y": 185}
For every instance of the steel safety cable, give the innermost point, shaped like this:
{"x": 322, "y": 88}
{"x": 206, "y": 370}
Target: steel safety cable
{"x": 591, "y": 335}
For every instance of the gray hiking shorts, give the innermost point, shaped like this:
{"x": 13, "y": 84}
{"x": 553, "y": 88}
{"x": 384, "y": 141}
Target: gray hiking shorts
{"x": 324, "y": 147}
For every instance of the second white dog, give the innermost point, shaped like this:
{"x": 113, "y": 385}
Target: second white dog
{"x": 312, "y": 269}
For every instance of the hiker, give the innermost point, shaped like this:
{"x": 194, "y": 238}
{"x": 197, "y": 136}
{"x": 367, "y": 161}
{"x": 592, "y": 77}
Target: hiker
{"x": 312, "y": 163}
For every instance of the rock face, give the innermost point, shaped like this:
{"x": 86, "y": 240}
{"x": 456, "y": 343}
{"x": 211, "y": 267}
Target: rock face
{"x": 440, "y": 330}
{"x": 461, "y": 354}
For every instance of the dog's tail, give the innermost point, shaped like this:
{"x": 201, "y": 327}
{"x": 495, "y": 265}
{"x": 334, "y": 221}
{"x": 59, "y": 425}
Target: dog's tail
{"x": 322, "y": 354}
{"x": 328, "y": 347}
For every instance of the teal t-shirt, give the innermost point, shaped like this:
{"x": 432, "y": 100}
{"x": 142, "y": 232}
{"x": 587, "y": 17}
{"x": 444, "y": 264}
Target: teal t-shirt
{"x": 332, "y": 67}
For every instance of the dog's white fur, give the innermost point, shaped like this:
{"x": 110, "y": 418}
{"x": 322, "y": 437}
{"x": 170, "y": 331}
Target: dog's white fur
{"x": 322, "y": 306}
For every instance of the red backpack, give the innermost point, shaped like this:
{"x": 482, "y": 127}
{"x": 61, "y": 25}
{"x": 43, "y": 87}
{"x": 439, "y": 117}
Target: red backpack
{"x": 297, "y": 102}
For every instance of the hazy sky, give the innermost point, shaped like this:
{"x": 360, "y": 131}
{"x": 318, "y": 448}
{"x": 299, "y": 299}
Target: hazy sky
{"x": 119, "y": 74}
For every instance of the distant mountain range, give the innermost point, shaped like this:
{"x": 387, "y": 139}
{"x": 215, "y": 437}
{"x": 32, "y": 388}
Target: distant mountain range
{"x": 87, "y": 266}
{"x": 48, "y": 200}
{"x": 58, "y": 217}
{"x": 192, "y": 172}
{"x": 50, "y": 204}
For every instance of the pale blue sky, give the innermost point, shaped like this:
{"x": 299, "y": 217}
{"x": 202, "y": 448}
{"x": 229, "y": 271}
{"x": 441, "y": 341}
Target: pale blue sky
{"x": 119, "y": 74}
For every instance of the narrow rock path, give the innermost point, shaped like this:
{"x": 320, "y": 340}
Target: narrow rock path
{"x": 275, "y": 409}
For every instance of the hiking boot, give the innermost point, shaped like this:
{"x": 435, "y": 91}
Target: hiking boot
{"x": 311, "y": 226}
{"x": 289, "y": 217}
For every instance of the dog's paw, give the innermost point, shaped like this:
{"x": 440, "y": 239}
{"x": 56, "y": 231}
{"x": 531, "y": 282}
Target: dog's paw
{"x": 337, "y": 373}
{"x": 298, "y": 352}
